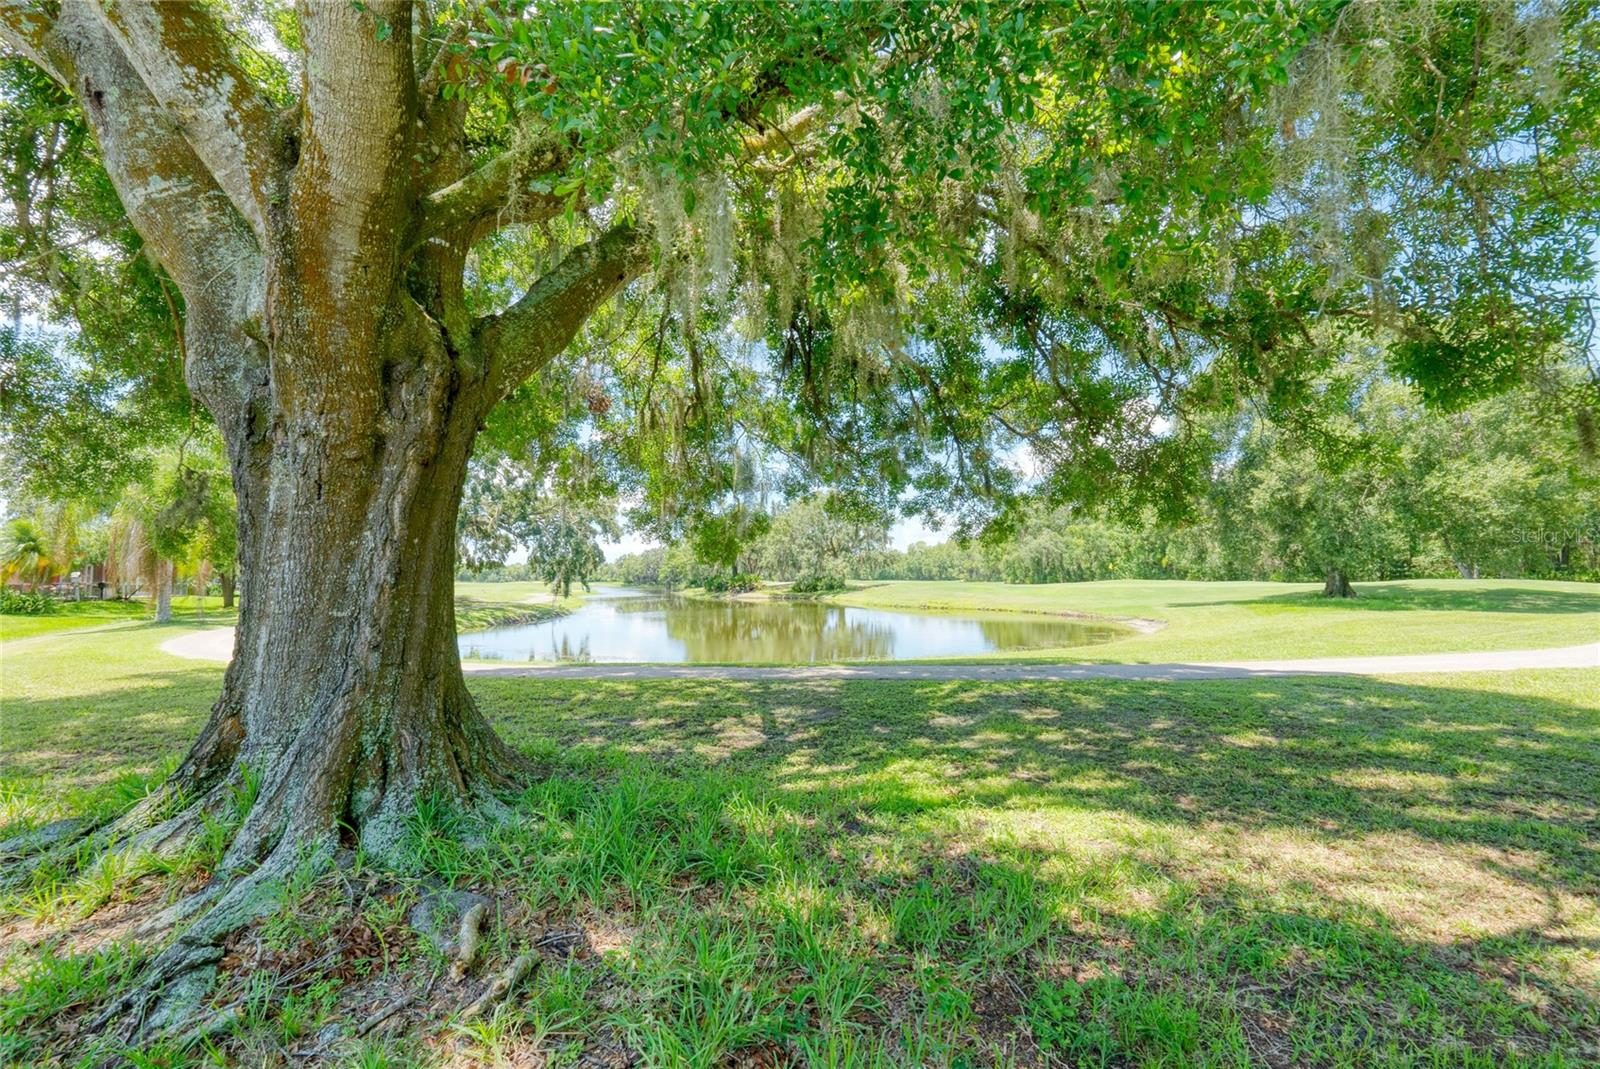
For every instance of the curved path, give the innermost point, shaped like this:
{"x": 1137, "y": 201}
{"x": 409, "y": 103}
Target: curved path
{"x": 217, "y": 645}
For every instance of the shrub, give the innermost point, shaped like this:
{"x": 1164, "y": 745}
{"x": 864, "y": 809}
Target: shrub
{"x": 817, "y": 584}
{"x": 16, "y": 603}
{"x": 738, "y": 583}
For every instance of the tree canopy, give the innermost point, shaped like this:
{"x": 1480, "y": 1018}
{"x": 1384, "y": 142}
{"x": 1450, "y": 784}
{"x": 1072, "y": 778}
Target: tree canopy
{"x": 897, "y": 247}
{"x": 1068, "y": 230}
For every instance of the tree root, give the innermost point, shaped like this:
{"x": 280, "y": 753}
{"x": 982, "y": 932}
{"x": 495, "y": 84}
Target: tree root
{"x": 289, "y": 825}
{"x": 467, "y": 942}
{"x": 178, "y": 914}
{"x": 502, "y": 985}
{"x": 165, "y": 823}
{"x": 386, "y": 1012}
{"x": 47, "y": 837}
{"x": 170, "y": 991}
{"x": 213, "y": 1025}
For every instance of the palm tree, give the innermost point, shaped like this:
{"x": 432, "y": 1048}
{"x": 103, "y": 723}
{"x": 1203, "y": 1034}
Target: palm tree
{"x": 131, "y": 565}
{"x": 24, "y": 552}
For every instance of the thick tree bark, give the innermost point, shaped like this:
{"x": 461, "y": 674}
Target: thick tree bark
{"x": 345, "y": 697}
{"x": 1336, "y": 584}
{"x": 344, "y": 704}
{"x": 226, "y": 579}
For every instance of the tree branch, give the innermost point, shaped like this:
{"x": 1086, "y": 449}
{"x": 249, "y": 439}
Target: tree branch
{"x": 351, "y": 189}
{"x": 492, "y": 187}
{"x": 169, "y": 194}
{"x": 28, "y": 29}
{"x": 180, "y": 51}
{"x": 438, "y": 65}
{"x": 187, "y": 222}
{"x": 782, "y": 135}
{"x": 540, "y": 324}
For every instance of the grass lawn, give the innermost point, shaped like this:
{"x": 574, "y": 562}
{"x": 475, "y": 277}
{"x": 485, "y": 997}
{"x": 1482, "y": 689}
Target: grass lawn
{"x": 1266, "y": 621}
{"x": 478, "y": 605}
{"x": 481, "y": 605}
{"x": 73, "y": 615}
{"x": 1279, "y": 872}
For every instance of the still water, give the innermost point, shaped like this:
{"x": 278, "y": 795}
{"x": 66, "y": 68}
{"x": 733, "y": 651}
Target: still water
{"x": 617, "y": 624}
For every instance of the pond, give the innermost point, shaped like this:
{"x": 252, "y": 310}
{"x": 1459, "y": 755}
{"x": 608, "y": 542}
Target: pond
{"x": 619, "y": 624}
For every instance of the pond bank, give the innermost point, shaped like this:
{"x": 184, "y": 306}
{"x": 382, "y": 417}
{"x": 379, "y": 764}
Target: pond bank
{"x": 476, "y": 615}
{"x": 779, "y": 593}
{"x": 217, "y": 645}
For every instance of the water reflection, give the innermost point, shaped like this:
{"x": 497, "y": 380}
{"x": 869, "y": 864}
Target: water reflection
{"x": 631, "y": 625}
{"x": 778, "y": 631}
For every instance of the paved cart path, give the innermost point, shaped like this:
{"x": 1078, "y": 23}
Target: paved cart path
{"x": 217, "y": 645}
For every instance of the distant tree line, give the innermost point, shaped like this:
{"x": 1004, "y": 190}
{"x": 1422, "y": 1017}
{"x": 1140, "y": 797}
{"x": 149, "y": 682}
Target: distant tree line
{"x": 1379, "y": 487}
{"x": 1386, "y": 489}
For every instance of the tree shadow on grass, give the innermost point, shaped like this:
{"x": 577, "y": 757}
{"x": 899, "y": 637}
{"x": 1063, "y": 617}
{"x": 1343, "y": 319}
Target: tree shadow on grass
{"x": 108, "y": 729}
{"x": 1326, "y": 759}
{"x": 1309, "y": 871}
{"x": 1226, "y": 975}
{"x": 1283, "y": 871}
{"x": 1365, "y": 783}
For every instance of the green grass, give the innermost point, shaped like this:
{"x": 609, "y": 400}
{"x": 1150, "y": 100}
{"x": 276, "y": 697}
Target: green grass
{"x": 511, "y": 592}
{"x": 73, "y": 615}
{"x": 478, "y": 605}
{"x": 484, "y": 605}
{"x": 1294, "y": 871}
{"x": 1265, "y": 621}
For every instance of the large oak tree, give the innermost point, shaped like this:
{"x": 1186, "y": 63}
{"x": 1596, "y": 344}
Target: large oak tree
{"x": 948, "y": 230}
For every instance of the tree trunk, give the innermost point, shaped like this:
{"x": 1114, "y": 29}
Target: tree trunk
{"x": 226, "y": 579}
{"x": 163, "y": 591}
{"x": 344, "y": 705}
{"x": 1336, "y": 585}
{"x": 345, "y": 696}
{"x": 321, "y": 254}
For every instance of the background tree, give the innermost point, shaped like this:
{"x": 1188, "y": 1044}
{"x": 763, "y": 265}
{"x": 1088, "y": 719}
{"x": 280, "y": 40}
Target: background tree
{"x": 726, "y": 540}
{"x": 184, "y": 512}
{"x": 378, "y": 228}
{"x": 25, "y": 552}
{"x": 637, "y": 569}
{"x": 821, "y": 536}
{"x": 498, "y": 507}
{"x": 82, "y": 399}
{"x": 1397, "y": 489}
{"x": 1327, "y": 521}
{"x": 555, "y": 509}
{"x": 564, "y": 542}
{"x": 47, "y": 541}
{"x": 1503, "y": 485}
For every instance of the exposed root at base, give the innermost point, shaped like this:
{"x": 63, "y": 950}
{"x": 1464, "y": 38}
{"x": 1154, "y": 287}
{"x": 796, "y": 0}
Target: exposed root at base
{"x": 269, "y": 840}
{"x": 170, "y": 994}
{"x": 140, "y": 829}
{"x": 467, "y": 941}
{"x": 347, "y": 953}
{"x": 173, "y": 987}
{"x": 502, "y": 985}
